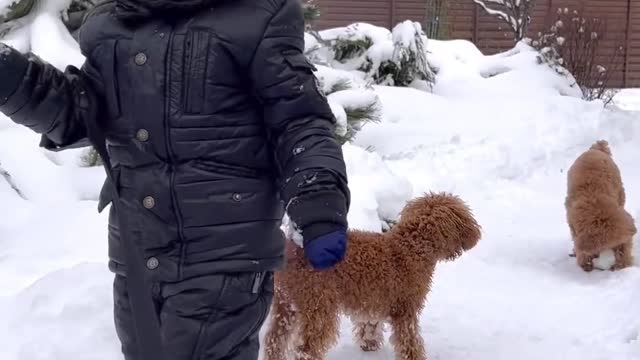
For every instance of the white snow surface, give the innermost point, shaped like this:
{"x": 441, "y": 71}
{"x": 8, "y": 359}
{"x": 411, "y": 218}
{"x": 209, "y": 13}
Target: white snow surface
{"x": 499, "y": 131}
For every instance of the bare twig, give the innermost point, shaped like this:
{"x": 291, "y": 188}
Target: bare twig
{"x": 516, "y": 13}
{"x": 5, "y": 174}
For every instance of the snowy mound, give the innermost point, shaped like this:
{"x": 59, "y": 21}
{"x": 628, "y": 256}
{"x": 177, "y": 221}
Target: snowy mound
{"x": 462, "y": 71}
{"x": 65, "y": 315}
{"x": 376, "y": 191}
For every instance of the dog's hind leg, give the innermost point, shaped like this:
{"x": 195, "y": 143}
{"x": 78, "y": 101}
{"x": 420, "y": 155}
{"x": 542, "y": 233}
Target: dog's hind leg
{"x": 406, "y": 339}
{"x": 624, "y": 256}
{"x": 318, "y": 328}
{"x": 369, "y": 335}
{"x": 278, "y": 336}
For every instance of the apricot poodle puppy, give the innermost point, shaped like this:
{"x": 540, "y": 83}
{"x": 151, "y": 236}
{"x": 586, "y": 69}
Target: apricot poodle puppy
{"x": 384, "y": 278}
{"x": 595, "y": 210}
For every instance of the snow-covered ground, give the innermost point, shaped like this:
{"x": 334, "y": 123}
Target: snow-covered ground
{"x": 499, "y": 131}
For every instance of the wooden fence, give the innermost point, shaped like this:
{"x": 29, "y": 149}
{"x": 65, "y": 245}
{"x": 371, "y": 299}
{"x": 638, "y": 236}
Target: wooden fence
{"x": 465, "y": 20}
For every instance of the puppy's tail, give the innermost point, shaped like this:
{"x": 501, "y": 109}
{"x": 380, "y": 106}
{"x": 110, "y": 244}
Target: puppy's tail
{"x": 602, "y": 145}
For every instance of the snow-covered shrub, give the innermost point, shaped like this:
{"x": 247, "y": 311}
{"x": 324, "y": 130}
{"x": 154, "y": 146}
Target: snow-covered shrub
{"x": 393, "y": 58}
{"x": 311, "y": 12}
{"x": 352, "y": 101}
{"x": 573, "y": 44}
{"x": 408, "y": 63}
{"x": 15, "y": 14}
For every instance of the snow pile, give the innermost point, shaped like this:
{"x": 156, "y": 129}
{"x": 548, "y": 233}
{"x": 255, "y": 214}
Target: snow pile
{"x": 500, "y": 131}
{"x": 67, "y": 314}
{"x": 463, "y": 71}
{"x": 352, "y": 101}
{"x": 377, "y": 193}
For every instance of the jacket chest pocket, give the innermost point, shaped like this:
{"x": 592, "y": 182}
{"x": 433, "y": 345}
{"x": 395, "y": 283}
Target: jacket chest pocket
{"x": 108, "y": 57}
{"x": 197, "y": 46}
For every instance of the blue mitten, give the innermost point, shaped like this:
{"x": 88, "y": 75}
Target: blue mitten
{"x": 327, "y": 250}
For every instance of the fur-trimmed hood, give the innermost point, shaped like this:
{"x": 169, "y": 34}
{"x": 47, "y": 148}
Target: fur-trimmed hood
{"x": 136, "y": 10}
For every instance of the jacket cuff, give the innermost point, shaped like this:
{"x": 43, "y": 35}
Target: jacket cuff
{"x": 314, "y": 231}
{"x": 319, "y": 213}
{"x": 13, "y": 67}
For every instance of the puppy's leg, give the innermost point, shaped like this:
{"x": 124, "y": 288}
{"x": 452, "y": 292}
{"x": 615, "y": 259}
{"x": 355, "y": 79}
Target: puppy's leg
{"x": 406, "y": 339}
{"x": 318, "y": 328}
{"x": 368, "y": 335}
{"x": 278, "y": 336}
{"x": 624, "y": 256}
{"x": 584, "y": 261}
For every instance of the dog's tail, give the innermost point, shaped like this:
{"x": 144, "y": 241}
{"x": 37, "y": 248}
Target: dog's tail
{"x": 602, "y": 145}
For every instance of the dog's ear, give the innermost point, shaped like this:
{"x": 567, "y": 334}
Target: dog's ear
{"x": 461, "y": 225}
{"x": 442, "y": 223}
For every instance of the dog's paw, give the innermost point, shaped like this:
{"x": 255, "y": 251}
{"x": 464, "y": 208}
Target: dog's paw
{"x": 588, "y": 267}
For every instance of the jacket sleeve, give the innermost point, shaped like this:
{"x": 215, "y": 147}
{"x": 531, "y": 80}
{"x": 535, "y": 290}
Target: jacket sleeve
{"x": 300, "y": 125}
{"x": 46, "y": 100}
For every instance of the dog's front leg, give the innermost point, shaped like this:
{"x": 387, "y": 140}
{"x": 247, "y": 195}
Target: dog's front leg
{"x": 585, "y": 261}
{"x": 406, "y": 339}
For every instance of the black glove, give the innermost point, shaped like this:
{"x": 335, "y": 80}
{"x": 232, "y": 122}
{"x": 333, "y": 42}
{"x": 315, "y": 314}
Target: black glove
{"x": 13, "y": 66}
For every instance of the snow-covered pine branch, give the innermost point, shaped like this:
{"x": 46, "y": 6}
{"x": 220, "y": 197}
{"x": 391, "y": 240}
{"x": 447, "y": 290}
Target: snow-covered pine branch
{"x": 516, "y": 13}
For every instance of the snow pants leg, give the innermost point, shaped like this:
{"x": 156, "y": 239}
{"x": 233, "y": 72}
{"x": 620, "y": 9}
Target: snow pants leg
{"x": 213, "y": 317}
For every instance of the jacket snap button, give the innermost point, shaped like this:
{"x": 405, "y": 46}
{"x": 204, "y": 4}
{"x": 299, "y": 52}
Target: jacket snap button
{"x": 149, "y": 202}
{"x": 152, "y": 263}
{"x": 142, "y": 135}
{"x": 237, "y": 197}
{"x": 141, "y": 58}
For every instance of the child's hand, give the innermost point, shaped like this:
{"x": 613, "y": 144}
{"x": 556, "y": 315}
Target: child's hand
{"x": 327, "y": 250}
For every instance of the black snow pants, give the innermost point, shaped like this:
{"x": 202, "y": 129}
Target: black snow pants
{"x": 213, "y": 317}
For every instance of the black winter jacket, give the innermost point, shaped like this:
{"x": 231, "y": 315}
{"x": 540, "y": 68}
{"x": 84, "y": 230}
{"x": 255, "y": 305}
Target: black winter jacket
{"x": 214, "y": 124}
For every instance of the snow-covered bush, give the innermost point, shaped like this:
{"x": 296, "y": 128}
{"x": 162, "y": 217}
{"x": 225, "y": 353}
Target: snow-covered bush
{"x": 311, "y": 11}
{"x": 393, "y": 58}
{"x": 573, "y": 44}
{"x": 17, "y": 13}
{"x": 352, "y": 100}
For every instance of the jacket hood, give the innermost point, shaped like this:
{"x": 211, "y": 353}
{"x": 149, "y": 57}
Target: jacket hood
{"x": 140, "y": 10}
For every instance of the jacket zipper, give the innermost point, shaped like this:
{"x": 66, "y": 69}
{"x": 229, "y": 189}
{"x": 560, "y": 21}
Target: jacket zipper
{"x": 174, "y": 198}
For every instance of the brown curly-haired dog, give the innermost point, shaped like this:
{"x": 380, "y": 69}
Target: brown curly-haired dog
{"x": 595, "y": 209}
{"x": 383, "y": 278}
